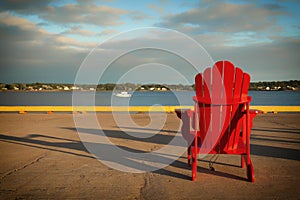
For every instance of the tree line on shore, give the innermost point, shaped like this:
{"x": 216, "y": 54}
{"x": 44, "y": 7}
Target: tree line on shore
{"x": 275, "y": 85}
{"x": 264, "y": 86}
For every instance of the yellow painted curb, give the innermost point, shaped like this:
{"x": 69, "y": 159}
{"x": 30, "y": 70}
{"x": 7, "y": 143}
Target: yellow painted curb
{"x": 83, "y": 109}
{"x": 276, "y": 109}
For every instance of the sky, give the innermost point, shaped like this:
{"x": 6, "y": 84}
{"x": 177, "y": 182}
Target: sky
{"x": 47, "y": 41}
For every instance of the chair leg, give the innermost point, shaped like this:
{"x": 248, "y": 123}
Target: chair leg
{"x": 242, "y": 161}
{"x": 194, "y": 167}
{"x": 250, "y": 172}
{"x": 189, "y": 155}
{"x": 250, "y": 169}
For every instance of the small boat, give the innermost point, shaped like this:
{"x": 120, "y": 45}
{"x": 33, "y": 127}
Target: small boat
{"x": 123, "y": 94}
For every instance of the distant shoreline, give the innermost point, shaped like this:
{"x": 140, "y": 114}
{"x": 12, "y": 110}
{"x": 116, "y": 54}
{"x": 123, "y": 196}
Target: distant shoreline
{"x": 69, "y": 91}
{"x": 292, "y": 85}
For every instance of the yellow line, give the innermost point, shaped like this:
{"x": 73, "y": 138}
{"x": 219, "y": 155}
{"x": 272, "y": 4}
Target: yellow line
{"x": 265, "y": 109}
{"x": 92, "y": 108}
{"x": 276, "y": 109}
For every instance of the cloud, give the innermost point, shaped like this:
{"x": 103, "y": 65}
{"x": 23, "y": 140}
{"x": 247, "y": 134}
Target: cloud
{"x": 276, "y": 60}
{"x": 37, "y": 54}
{"x": 16, "y": 29}
{"x": 77, "y": 13}
{"x": 23, "y": 6}
{"x": 10, "y": 20}
{"x": 247, "y": 34}
{"x": 225, "y": 17}
{"x": 108, "y": 32}
{"x": 273, "y": 7}
{"x": 158, "y": 9}
{"x": 84, "y": 14}
{"x": 137, "y": 15}
{"x": 77, "y": 30}
{"x": 68, "y": 13}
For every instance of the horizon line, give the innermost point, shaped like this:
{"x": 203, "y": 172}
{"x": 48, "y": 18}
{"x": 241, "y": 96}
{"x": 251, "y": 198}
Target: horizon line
{"x": 38, "y": 82}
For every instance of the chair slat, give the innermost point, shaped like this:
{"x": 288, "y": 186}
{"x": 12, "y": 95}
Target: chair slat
{"x": 205, "y": 110}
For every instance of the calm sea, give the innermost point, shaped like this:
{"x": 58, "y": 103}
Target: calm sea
{"x": 137, "y": 99}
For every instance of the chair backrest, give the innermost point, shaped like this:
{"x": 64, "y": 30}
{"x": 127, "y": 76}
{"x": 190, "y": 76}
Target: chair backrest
{"x": 219, "y": 90}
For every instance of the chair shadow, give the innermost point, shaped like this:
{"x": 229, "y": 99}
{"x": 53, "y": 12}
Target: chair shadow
{"x": 67, "y": 146}
{"x": 200, "y": 169}
{"x": 221, "y": 174}
{"x": 278, "y": 130}
{"x": 221, "y": 163}
{"x": 155, "y": 139}
{"x": 274, "y": 139}
{"x": 30, "y": 141}
{"x": 146, "y": 129}
{"x": 275, "y": 152}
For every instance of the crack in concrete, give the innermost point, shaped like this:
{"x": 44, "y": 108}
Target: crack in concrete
{"x": 23, "y": 167}
{"x": 143, "y": 189}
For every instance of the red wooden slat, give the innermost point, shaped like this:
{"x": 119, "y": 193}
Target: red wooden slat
{"x": 207, "y": 85}
{"x": 205, "y": 110}
{"x": 237, "y": 95}
{"x": 199, "y": 85}
{"x": 238, "y": 83}
{"x": 217, "y": 82}
{"x": 202, "y": 124}
{"x": 217, "y": 95}
{"x": 244, "y": 94}
{"x": 235, "y": 136}
{"x": 228, "y": 78}
{"x": 245, "y": 87}
{"x": 237, "y": 124}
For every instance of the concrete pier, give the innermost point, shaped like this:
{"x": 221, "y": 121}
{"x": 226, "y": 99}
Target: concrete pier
{"x": 42, "y": 157}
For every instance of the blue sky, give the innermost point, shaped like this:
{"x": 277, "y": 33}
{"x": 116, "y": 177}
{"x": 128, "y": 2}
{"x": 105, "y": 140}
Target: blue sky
{"x": 46, "y": 41}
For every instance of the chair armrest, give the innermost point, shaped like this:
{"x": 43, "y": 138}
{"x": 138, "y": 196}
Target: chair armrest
{"x": 186, "y": 116}
{"x": 179, "y": 112}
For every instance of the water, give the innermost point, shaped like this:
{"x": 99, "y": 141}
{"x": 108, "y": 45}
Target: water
{"x": 289, "y": 98}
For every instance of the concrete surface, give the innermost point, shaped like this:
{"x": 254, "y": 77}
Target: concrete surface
{"x": 42, "y": 157}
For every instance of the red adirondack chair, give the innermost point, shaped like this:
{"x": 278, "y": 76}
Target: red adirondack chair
{"x": 221, "y": 121}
